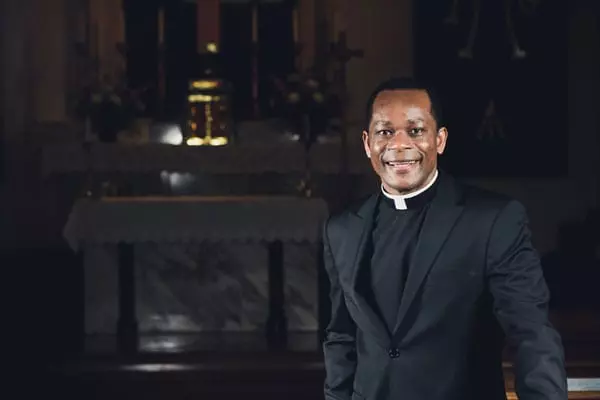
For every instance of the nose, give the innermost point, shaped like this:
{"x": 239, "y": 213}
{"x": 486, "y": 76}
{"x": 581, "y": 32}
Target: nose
{"x": 400, "y": 141}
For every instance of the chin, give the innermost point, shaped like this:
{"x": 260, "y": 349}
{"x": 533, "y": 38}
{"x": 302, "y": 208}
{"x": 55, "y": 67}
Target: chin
{"x": 405, "y": 185}
{"x": 401, "y": 187}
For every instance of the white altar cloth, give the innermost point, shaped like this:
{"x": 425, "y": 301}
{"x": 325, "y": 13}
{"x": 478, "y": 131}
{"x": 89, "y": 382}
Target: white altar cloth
{"x": 195, "y": 219}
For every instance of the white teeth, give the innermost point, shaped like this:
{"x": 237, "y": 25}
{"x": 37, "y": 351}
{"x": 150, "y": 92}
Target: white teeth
{"x": 394, "y": 163}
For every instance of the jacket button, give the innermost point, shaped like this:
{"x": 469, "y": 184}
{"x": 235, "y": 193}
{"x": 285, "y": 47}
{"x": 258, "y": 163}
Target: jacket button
{"x": 394, "y": 352}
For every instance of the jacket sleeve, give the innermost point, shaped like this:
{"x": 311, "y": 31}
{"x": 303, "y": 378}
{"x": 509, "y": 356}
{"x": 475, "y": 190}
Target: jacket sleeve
{"x": 521, "y": 296}
{"x": 339, "y": 344}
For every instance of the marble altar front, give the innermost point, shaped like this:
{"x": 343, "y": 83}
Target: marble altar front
{"x": 200, "y": 263}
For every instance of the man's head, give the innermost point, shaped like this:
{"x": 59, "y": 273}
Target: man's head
{"x": 404, "y": 134}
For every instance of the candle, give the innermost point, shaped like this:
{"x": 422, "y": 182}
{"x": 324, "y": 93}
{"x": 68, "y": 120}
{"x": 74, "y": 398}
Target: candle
{"x": 120, "y": 33}
{"x": 336, "y": 24}
{"x": 161, "y": 26}
{"x": 254, "y": 23}
{"x": 80, "y": 29}
{"x": 339, "y": 19}
{"x": 295, "y": 22}
{"x": 94, "y": 39}
{"x": 87, "y": 28}
{"x": 207, "y": 21}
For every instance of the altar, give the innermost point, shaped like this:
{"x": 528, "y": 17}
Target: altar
{"x": 191, "y": 264}
{"x": 283, "y": 157}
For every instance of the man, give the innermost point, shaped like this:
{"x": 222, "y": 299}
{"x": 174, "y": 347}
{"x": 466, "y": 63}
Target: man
{"x": 422, "y": 272}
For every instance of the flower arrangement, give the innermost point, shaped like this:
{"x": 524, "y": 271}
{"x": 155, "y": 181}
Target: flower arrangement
{"x": 109, "y": 106}
{"x": 306, "y": 102}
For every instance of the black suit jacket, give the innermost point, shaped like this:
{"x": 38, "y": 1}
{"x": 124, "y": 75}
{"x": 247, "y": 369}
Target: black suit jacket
{"x": 474, "y": 267}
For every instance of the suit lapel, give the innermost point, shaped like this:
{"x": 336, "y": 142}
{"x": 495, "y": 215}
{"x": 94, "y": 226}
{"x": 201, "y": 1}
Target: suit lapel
{"x": 441, "y": 217}
{"x": 361, "y": 226}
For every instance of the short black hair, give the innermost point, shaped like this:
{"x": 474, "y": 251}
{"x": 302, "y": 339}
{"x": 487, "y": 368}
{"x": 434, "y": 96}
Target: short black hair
{"x": 404, "y": 83}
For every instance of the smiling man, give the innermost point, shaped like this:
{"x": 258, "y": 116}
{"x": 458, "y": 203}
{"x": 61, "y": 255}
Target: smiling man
{"x": 429, "y": 276}
{"x": 403, "y": 140}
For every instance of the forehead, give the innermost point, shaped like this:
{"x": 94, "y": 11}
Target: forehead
{"x": 405, "y": 101}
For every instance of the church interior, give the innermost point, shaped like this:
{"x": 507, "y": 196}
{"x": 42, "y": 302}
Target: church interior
{"x": 167, "y": 165}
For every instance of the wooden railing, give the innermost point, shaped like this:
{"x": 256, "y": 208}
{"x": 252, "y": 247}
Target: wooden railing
{"x": 584, "y": 381}
{"x": 572, "y": 395}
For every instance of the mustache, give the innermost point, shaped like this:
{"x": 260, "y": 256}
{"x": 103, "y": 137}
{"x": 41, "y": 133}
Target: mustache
{"x": 400, "y": 156}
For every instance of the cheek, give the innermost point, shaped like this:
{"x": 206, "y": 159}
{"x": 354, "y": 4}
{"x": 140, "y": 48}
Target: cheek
{"x": 428, "y": 147}
{"x": 377, "y": 147}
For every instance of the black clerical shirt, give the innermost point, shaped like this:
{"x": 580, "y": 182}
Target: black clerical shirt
{"x": 393, "y": 241}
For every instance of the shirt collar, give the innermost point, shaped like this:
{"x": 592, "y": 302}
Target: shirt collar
{"x": 400, "y": 199}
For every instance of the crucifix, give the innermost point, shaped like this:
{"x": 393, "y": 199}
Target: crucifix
{"x": 491, "y": 125}
{"x": 342, "y": 55}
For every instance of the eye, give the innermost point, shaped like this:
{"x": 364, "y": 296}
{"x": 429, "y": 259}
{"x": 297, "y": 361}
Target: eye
{"x": 416, "y": 131}
{"x": 385, "y": 132}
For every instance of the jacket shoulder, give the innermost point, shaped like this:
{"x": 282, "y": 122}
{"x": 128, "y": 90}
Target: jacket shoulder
{"x": 337, "y": 221}
{"x": 484, "y": 199}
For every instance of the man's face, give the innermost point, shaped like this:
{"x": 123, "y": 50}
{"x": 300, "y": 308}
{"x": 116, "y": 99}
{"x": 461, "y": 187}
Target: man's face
{"x": 403, "y": 140}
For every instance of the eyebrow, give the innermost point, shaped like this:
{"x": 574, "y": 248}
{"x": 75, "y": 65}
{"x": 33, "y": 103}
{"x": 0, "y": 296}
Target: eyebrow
{"x": 382, "y": 123}
{"x": 387, "y": 124}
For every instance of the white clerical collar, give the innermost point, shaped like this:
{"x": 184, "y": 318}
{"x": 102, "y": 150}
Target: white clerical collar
{"x": 400, "y": 199}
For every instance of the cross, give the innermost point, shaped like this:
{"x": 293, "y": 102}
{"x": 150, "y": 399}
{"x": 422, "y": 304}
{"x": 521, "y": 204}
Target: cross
{"x": 342, "y": 54}
{"x": 491, "y": 126}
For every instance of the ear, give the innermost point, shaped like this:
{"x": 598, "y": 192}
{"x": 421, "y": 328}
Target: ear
{"x": 365, "y": 139}
{"x": 440, "y": 140}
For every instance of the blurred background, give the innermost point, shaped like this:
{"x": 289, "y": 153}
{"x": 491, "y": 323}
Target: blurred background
{"x": 166, "y": 165}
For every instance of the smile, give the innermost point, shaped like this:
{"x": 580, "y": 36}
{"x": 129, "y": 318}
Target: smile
{"x": 400, "y": 163}
{"x": 401, "y": 167}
